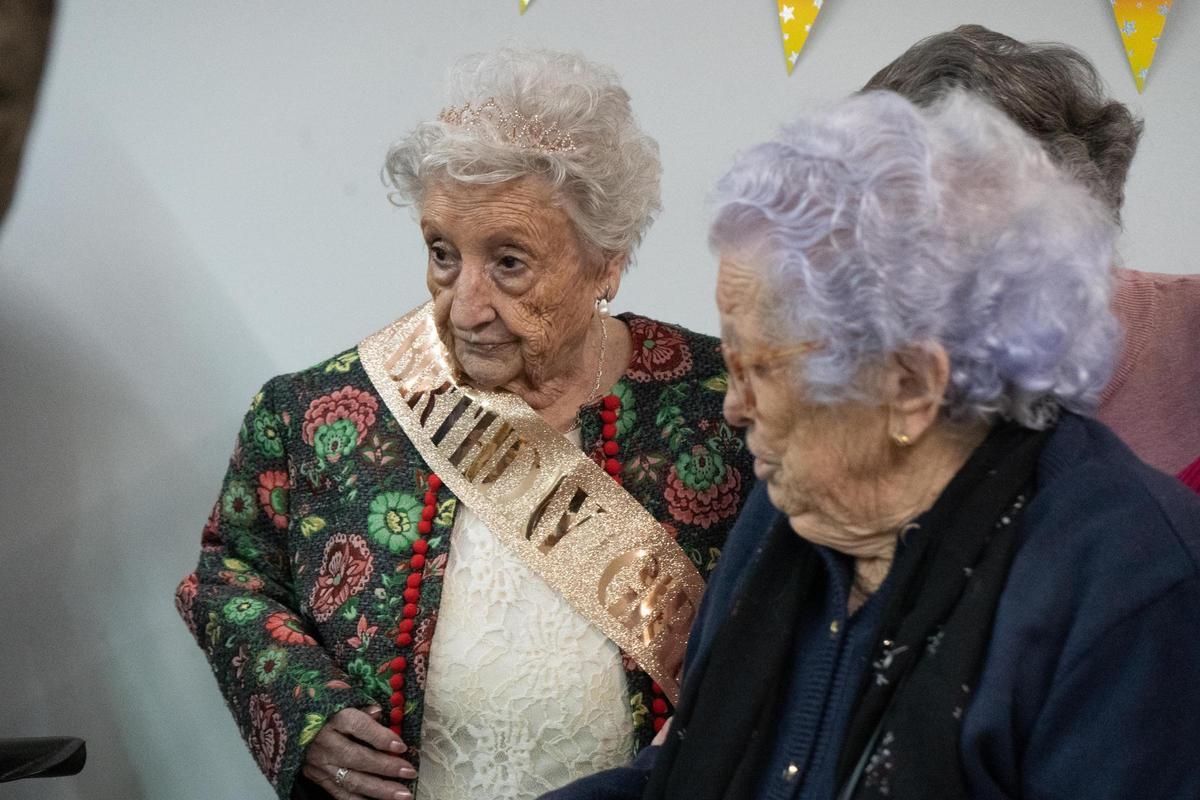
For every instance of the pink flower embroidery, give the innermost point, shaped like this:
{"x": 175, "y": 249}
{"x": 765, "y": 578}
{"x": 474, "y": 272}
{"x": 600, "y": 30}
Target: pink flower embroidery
{"x": 363, "y": 634}
{"x": 240, "y": 660}
{"x": 267, "y": 735}
{"x": 704, "y": 508}
{"x": 288, "y": 629}
{"x": 210, "y": 538}
{"x": 419, "y": 671}
{"x": 436, "y": 568}
{"x": 659, "y": 352}
{"x": 423, "y": 637}
{"x": 273, "y": 496}
{"x": 185, "y": 596}
{"x": 241, "y": 580}
{"x": 356, "y": 405}
{"x": 344, "y": 573}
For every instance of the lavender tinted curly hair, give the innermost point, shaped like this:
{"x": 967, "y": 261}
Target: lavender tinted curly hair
{"x": 879, "y": 225}
{"x": 609, "y": 182}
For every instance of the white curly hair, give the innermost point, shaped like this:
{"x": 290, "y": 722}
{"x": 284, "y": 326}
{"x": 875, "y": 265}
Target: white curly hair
{"x": 609, "y": 180}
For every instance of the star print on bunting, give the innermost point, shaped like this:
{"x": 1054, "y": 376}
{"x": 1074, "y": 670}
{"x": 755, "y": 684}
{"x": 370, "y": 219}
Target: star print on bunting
{"x": 1140, "y": 23}
{"x": 796, "y": 18}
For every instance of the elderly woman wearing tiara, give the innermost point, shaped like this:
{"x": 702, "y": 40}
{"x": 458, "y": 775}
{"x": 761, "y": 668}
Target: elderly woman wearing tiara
{"x": 469, "y": 549}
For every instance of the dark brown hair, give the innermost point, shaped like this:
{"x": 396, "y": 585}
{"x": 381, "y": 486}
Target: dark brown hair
{"x": 1050, "y": 89}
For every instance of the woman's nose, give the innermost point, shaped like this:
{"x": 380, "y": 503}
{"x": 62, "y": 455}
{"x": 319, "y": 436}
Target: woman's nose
{"x": 737, "y": 405}
{"x": 471, "y": 306}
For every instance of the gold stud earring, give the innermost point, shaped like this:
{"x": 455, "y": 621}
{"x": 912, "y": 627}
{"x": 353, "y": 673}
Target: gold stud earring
{"x": 901, "y": 439}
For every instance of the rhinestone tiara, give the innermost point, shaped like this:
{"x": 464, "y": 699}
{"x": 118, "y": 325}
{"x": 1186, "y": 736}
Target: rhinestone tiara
{"x": 513, "y": 126}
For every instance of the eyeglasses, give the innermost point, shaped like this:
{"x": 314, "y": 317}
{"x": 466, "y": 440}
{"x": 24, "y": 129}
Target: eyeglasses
{"x": 743, "y": 367}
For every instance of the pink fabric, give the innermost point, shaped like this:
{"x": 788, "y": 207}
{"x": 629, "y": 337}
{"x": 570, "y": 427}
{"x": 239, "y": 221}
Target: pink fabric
{"x": 1153, "y": 401}
{"x": 1191, "y": 476}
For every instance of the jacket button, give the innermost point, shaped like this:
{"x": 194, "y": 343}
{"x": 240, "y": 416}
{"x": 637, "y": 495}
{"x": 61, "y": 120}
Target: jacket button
{"x": 791, "y": 772}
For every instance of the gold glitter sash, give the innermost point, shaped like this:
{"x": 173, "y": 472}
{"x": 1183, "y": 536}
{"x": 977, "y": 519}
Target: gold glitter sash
{"x": 563, "y": 516}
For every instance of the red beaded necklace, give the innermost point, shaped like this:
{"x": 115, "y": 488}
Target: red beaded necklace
{"x": 412, "y": 593}
{"x": 609, "y": 409}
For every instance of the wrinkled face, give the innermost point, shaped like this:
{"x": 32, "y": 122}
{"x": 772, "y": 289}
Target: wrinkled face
{"x": 822, "y": 464}
{"x": 512, "y": 286}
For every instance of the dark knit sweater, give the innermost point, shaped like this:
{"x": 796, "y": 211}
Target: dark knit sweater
{"x": 1090, "y": 687}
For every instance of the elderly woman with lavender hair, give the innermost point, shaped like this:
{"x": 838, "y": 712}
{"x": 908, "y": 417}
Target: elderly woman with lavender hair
{"x": 949, "y": 583}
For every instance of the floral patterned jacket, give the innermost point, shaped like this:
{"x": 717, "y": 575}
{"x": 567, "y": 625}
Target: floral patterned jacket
{"x": 304, "y": 559}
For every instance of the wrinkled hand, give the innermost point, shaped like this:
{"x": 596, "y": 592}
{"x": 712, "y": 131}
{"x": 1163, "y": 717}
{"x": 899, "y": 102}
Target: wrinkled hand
{"x": 353, "y": 739}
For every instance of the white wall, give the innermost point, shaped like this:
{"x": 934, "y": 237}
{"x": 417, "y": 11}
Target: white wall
{"x": 201, "y": 209}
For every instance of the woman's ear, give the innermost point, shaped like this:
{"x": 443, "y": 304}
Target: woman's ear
{"x": 610, "y": 274}
{"x": 915, "y": 381}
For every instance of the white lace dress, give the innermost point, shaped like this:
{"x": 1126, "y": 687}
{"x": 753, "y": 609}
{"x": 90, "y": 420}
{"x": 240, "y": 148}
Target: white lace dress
{"x": 523, "y": 695}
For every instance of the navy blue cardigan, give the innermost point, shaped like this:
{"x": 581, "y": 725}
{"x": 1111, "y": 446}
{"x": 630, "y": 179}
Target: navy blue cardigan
{"x": 1091, "y": 686}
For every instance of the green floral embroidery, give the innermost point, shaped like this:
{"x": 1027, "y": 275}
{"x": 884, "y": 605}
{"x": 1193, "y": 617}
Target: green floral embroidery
{"x": 237, "y": 504}
{"x": 706, "y": 564}
{"x": 342, "y": 363}
{"x": 234, "y": 564}
{"x": 278, "y": 499}
{"x": 246, "y": 546}
{"x": 245, "y": 580}
{"x": 310, "y": 525}
{"x": 269, "y": 664}
{"x": 445, "y": 514}
{"x": 312, "y": 726}
{"x": 638, "y": 707}
{"x": 725, "y": 440}
{"x": 212, "y": 629}
{"x": 308, "y": 681}
{"x": 241, "y": 610}
{"x": 670, "y": 417}
{"x": 701, "y": 468}
{"x": 714, "y": 553}
{"x": 392, "y": 520}
{"x": 335, "y": 440}
{"x": 268, "y": 429}
{"x": 626, "y": 416}
{"x": 369, "y": 677}
{"x": 646, "y": 467}
{"x": 349, "y": 609}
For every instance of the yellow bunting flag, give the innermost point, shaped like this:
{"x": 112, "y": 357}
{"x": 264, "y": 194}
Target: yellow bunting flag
{"x": 1140, "y": 23}
{"x": 796, "y": 18}
{"x": 524, "y": 5}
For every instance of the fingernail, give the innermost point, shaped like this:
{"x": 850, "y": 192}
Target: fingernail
{"x": 403, "y": 795}
{"x": 374, "y": 711}
{"x": 408, "y": 773}
{"x": 398, "y": 746}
